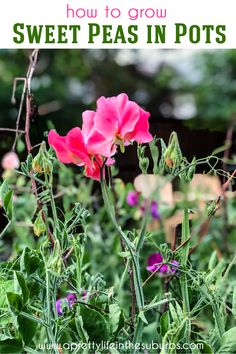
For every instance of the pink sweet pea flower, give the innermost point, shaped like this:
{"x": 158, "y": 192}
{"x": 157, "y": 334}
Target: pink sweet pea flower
{"x": 154, "y": 264}
{"x": 121, "y": 120}
{"x": 132, "y": 198}
{"x": 10, "y": 161}
{"x": 116, "y": 121}
{"x": 72, "y": 148}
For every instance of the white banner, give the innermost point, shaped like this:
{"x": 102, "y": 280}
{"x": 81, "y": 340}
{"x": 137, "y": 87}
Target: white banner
{"x": 117, "y": 24}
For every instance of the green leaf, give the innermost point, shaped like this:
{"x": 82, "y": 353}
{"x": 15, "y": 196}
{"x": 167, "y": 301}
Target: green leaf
{"x": 114, "y": 316}
{"x": 27, "y": 165}
{"x": 142, "y": 316}
{"x": 195, "y": 351}
{"x": 95, "y": 324}
{"x": 11, "y": 346}
{"x": 179, "y": 311}
{"x": 228, "y": 341}
{"x": 33, "y": 318}
{"x": 34, "y": 288}
{"x": 216, "y": 273}
{"x": 27, "y": 328}
{"x": 173, "y": 314}
{"x": 213, "y": 261}
{"x": 29, "y": 262}
{"x": 15, "y": 302}
{"x": 4, "y": 189}
{"x": 20, "y": 286}
{"x": 153, "y": 305}
{"x": 205, "y": 347}
{"x": 8, "y": 204}
{"x": 80, "y": 329}
{"x": 5, "y": 287}
{"x": 165, "y": 323}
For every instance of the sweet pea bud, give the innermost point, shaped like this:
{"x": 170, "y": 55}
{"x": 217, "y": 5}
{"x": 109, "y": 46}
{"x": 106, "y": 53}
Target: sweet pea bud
{"x": 155, "y": 155}
{"x": 143, "y": 164}
{"x": 41, "y": 162}
{"x": 192, "y": 169}
{"x": 173, "y": 154}
{"x": 143, "y": 161}
{"x": 55, "y": 262}
{"x": 39, "y": 226}
{"x": 188, "y": 173}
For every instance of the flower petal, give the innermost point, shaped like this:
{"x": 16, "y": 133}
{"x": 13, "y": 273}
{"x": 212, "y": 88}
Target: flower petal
{"x": 141, "y": 130}
{"x": 93, "y": 171}
{"x": 106, "y": 119}
{"x": 96, "y": 143}
{"x": 128, "y": 115}
{"x": 155, "y": 258}
{"x": 88, "y": 124}
{"x": 59, "y": 145}
{"x": 76, "y": 146}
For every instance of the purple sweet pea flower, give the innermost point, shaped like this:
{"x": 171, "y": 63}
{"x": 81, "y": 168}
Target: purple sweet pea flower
{"x": 132, "y": 198}
{"x": 70, "y": 299}
{"x": 154, "y": 210}
{"x": 154, "y": 262}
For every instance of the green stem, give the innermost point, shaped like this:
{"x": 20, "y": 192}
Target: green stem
{"x": 48, "y": 300}
{"x": 130, "y": 246}
{"x": 184, "y": 284}
{"x": 143, "y": 229}
{"x": 138, "y": 332}
{"x": 135, "y": 262}
{"x": 49, "y": 316}
{"x": 49, "y": 184}
{"x": 79, "y": 262}
{"x": 54, "y": 210}
{"x": 5, "y": 229}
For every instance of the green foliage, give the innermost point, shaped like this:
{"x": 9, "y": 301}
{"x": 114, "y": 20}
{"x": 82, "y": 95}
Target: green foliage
{"x": 95, "y": 324}
{"x": 228, "y": 341}
{"x": 11, "y": 346}
{"x": 214, "y": 90}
